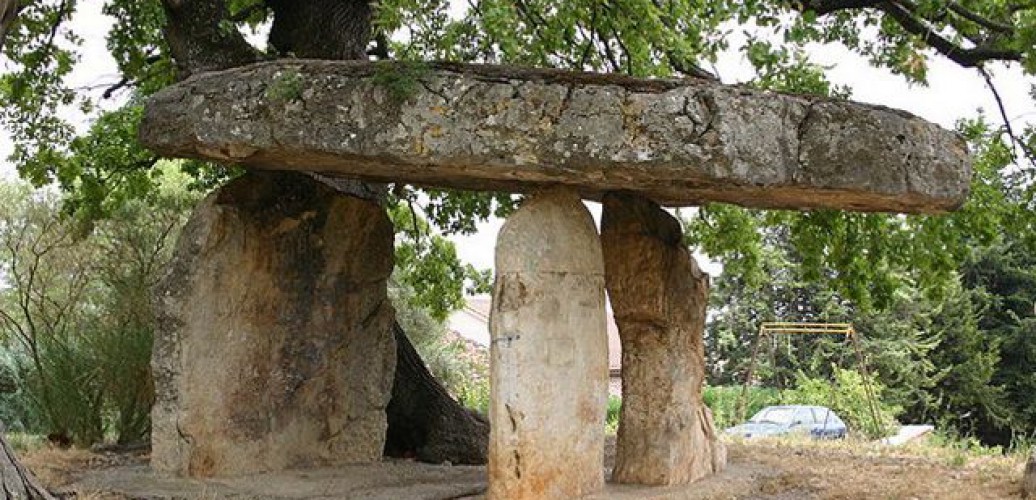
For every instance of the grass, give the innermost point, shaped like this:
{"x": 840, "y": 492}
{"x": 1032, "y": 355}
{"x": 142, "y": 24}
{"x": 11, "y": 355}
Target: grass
{"x": 858, "y": 468}
{"x": 22, "y": 442}
{"x": 936, "y": 448}
{"x": 56, "y": 467}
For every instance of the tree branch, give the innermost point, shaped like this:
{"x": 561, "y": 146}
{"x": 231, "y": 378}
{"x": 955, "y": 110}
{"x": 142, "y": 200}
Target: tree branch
{"x": 968, "y": 58}
{"x": 903, "y": 12}
{"x": 974, "y": 17}
{"x": 824, "y": 7}
{"x": 1026, "y": 150}
{"x": 127, "y": 81}
{"x": 200, "y": 40}
{"x": 381, "y": 46}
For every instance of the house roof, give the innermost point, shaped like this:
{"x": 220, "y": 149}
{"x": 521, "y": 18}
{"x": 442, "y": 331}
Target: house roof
{"x": 472, "y": 323}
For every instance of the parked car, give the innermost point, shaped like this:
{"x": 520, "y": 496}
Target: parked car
{"x": 816, "y": 421}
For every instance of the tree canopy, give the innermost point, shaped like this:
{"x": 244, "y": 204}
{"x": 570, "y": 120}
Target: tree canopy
{"x": 865, "y": 255}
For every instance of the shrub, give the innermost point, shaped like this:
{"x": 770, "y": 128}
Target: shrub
{"x": 724, "y": 401}
{"x": 611, "y": 420}
{"x": 64, "y": 388}
{"x": 77, "y": 321}
{"x": 848, "y": 397}
{"x": 464, "y": 372}
{"x": 474, "y": 394}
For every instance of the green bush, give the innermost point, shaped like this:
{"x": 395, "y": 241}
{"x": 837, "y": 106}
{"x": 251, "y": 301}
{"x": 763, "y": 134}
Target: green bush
{"x": 464, "y": 374}
{"x": 611, "y": 420}
{"x": 474, "y": 394}
{"x": 78, "y": 320}
{"x": 848, "y": 397}
{"x": 724, "y": 401}
{"x": 17, "y": 414}
{"x": 64, "y": 388}
{"x": 124, "y": 357}
{"x": 22, "y": 443}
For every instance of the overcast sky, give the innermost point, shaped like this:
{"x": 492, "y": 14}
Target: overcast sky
{"x": 953, "y": 93}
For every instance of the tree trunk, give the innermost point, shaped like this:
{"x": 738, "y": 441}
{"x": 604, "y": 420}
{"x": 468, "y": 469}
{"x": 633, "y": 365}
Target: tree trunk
{"x": 424, "y": 421}
{"x": 199, "y": 39}
{"x": 16, "y": 481}
{"x": 321, "y": 29}
{"x": 8, "y": 13}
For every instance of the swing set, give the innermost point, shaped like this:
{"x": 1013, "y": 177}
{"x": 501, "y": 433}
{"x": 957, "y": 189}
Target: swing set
{"x": 771, "y": 329}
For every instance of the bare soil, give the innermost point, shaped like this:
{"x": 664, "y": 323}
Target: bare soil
{"x": 757, "y": 470}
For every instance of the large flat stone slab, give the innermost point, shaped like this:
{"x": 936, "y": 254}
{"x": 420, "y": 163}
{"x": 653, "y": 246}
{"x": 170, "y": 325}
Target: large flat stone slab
{"x": 678, "y": 142}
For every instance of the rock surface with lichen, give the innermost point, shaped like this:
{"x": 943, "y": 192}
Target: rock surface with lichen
{"x": 677, "y": 142}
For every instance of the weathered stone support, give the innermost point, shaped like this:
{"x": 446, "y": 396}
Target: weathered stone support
{"x": 659, "y": 295}
{"x": 549, "y": 353}
{"x": 274, "y": 345}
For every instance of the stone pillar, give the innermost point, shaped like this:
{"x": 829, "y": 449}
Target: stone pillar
{"x": 274, "y": 346}
{"x": 666, "y": 434}
{"x": 549, "y": 353}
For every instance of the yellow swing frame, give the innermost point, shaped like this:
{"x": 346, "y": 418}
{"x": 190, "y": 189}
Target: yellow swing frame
{"x": 771, "y": 328}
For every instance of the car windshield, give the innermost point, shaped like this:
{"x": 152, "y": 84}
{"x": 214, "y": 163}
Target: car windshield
{"x": 780, "y": 416}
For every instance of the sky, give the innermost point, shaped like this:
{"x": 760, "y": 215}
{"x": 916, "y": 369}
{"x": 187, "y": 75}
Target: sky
{"x": 952, "y": 93}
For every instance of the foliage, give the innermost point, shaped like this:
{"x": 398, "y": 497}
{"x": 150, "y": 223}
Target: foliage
{"x": 850, "y": 395}
{"x": 446, "y": 356}
{"x": 285, "y": 87}
{"x": 1004, "y": 276}
{"x": 400, "y": 81}
{"x": 611, "y": 416}
{"x": 725, "y": 402}
{"x": 21, "y": 442}
{"x": 474, "y": 394}
{"x": 427, "y": 265}
{"x": 48, "y": 278}
{"x": 936, "y": 363}
{"x": 76, "y": 312}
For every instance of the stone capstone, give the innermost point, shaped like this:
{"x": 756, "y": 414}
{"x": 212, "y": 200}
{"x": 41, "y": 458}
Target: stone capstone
{"x": 659, "y": 295}
{"x": 548, "y": 353}
{"x": 274, "y": 345}
{"x": 678, "y": 142}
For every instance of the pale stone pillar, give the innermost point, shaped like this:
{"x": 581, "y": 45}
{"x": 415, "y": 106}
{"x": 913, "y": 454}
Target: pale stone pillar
{"x": 666, "y": 434}
{"x": 549, "y": 353}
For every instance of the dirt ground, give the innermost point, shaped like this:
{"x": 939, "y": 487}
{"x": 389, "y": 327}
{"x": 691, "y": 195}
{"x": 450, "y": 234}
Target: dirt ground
{"x": 757, "y": 470}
